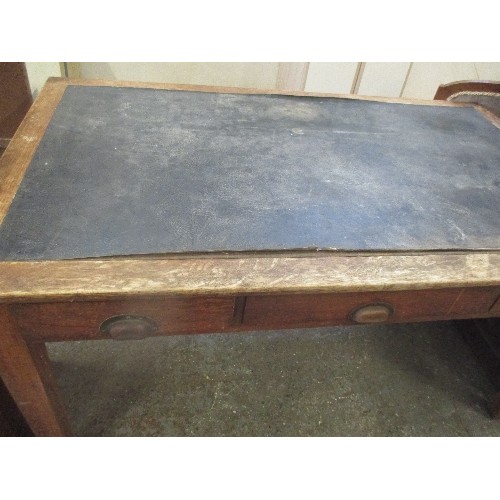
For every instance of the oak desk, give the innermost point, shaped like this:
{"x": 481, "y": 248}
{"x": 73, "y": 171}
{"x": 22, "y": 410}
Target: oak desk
{"x": 129, "y": 210}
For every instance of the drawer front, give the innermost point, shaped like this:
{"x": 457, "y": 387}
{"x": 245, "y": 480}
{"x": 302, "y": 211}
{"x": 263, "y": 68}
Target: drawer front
{"x": 325, "y": 309}
{"x": 181, "y": 315}
{"x": 478, "y": 301}
{"x": 495, "y": 308}
{"x": 91, "y": 320}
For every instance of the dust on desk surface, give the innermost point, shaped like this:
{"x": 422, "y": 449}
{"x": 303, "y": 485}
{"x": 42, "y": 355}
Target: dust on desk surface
{"x": 124, "y": 171}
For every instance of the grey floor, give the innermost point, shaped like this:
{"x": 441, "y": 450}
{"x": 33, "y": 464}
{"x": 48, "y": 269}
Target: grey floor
{"x": 390, "y": 380}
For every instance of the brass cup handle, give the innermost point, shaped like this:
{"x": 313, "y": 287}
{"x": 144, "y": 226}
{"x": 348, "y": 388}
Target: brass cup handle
{"x": 371, "y": 313}
{"x": 128, "y": 327}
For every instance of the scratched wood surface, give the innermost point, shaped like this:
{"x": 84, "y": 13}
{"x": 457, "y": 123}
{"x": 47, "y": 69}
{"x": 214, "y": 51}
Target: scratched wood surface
{"x": 88, "y": 279}
{"x": 125, "y": 171}
{"x": 18, "y": 155}
{"x": 26, "y": 371}
{"x": 38, "y": 281}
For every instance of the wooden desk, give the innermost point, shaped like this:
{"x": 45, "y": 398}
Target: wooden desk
{"x": 148, "y": 210}
{"x": 15, "y": 101}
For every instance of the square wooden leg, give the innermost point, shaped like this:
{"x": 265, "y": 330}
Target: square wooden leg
{"x": 26, "y": 371}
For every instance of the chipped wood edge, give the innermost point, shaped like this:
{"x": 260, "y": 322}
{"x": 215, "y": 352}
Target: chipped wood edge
{"x": 97, "y": 279}
{"x": 240, "y": 90}
{"x": 300, "y": 93}
{"x": 17, "y": 157}
{"x": 489, "y": 115}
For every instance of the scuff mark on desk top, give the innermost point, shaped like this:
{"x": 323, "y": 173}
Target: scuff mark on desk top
{"x": 126, "y": 171}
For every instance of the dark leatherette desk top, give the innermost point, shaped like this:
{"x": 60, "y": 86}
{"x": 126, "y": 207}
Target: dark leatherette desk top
{"x": 128, "y": 171}
{"x": 130, "y": 209}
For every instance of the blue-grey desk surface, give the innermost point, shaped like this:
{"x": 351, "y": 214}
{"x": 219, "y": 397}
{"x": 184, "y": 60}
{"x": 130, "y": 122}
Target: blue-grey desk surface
{"x": 126, "y": 171}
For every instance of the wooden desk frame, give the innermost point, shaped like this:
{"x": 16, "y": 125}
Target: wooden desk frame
{"x": 68, "y": 300}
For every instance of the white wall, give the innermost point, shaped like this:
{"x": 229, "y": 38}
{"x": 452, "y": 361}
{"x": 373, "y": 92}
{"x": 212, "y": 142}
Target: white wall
{"x": 488, "y": 71}
{"x": 383, "y": 79}
{"x": 395, "y": 79}
{"x": 336, "y": 78}
{"x": 38, "y": 72}
{"x": 424, "y": 78}
{"x": 418, "y": 80}
{"x": 248, "y": 74}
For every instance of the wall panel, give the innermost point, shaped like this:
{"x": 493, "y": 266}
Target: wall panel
{"x": 247, "y": 74}
{"x": 383, "y": 79}
{"x": 337, "y": 78}
{"x": 38, "y": 72}
{"x": 488, "y": 70}
{"x": 424, "y": 78}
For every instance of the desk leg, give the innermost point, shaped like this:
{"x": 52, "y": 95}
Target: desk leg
{"x": 26, "y": 371}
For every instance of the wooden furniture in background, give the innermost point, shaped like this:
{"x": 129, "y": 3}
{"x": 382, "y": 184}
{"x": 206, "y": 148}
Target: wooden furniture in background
{"x": 124, "y": 297}
{"x": 390, "y": 79}
{"x": 15, "y": 99}
{"x": 486, "y": 94}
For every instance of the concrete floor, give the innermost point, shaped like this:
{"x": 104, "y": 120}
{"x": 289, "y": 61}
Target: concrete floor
{"x": 390, "y": 380}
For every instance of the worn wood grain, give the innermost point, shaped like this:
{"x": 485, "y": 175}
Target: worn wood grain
{"x": 80, "y": 294}
{"x": 170, "y": 315}
{"x": 299, "y": 311}
{"x": 84, "y": 279}
{"x": 15, "y": 97}
{"x": 240, "y": 90}
{"x": 476, "y": 300}
{"x": 25, "y": 370}
{"x": 59, "y": 321}
{"x": 16, "y": 158}
{"x": 82, "y": 320}
{"x": 490, "y": 116}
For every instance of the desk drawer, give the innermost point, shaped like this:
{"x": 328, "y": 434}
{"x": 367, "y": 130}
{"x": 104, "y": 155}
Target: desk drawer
{"x": 476, "y": 301}
{"x": 287, "y": 311}
{"x": 83, "y": 320}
